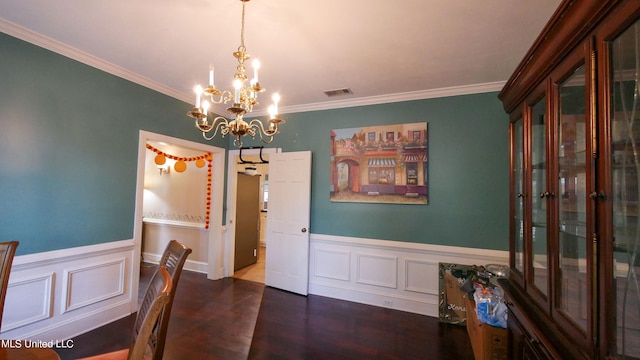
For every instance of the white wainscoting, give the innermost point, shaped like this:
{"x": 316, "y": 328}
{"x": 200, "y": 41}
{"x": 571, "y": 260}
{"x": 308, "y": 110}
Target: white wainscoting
{"x": 59, "y": 294}
{"x": 392, "y": 274}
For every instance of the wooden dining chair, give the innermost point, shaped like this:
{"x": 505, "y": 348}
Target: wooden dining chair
{"x": 173, "y": 258}
{"x": 7, "y": 251}
{"x": 143, "y": 340}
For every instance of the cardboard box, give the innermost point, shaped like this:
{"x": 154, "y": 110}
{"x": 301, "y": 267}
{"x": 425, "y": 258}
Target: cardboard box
{"x": 488, "y": 342}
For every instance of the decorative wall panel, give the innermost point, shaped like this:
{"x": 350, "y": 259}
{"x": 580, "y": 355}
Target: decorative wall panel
{"x": 417, "y": 276}
{"x": 80, "y": 284}
{"x": 30, "y": 300}
{"x": 333, "y": 264}
{"x": 378, "y": 270}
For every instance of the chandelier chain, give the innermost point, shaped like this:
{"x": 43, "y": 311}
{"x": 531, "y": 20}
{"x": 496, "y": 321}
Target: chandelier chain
{"x": 242, "y": 28}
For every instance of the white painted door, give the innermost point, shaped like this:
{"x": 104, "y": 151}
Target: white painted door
{"x": 287, "y": 265}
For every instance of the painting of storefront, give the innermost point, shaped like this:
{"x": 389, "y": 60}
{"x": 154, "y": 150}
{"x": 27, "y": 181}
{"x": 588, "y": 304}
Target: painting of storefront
{"x": 381, "y": 164}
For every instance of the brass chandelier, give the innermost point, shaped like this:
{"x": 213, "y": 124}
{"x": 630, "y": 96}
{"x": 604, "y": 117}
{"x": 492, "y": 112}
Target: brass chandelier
{"x": 243, "y": 99}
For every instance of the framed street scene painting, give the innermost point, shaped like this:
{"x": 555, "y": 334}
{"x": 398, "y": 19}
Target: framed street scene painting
{"x": 380, "y": 164}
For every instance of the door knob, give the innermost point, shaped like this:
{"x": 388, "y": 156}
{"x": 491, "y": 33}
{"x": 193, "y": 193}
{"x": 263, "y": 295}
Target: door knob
{"x": 304, "y": 230}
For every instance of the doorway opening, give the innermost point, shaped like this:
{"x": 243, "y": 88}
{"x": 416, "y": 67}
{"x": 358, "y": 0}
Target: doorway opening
{"x": 287, "y": 240}
{"x": 211, "y": 239}
{"x": 251, "y": 165}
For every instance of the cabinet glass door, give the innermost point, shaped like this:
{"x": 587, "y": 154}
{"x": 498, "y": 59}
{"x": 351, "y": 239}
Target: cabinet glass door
{"x": 540, "y": 196}
{"x": 517, "y": 139}
{"x": 625, "y": 165}
{"x": 572, "y": 200}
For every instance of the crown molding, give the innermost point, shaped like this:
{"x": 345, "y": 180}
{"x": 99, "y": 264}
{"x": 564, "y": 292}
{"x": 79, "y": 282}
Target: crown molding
{"x": 398, "y": 97}
{"x": 48, "y": 43}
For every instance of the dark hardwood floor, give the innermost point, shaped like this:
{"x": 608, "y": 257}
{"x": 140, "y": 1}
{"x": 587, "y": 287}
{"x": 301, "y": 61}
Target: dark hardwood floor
{"x": 239, "y": 319}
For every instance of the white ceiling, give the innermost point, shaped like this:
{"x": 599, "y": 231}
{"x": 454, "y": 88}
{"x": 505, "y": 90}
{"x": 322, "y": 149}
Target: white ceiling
{"x": 382, "y": 50}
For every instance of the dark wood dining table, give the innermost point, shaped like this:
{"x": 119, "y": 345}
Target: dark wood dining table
{"x": 25, "y": 353}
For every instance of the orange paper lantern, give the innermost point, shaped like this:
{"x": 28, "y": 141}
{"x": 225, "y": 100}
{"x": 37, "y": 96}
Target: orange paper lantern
{"x": 160, "y": 159}
{"x": 180, "y": 166}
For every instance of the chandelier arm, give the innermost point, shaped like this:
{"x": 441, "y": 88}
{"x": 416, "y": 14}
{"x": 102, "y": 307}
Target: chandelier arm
{"x": 259, "y": 126}
{"x": 251, "y": 131}
{"x": 204, "y": 135}
{"x": 267, "y": 141}
{"x": 225, "y": 97}
{"x": 228, "y": 96}
{"x": 219, "y": 123}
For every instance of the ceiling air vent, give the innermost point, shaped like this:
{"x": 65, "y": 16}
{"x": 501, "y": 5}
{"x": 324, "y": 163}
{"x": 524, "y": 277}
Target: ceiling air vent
{"x": 338, "y": 92}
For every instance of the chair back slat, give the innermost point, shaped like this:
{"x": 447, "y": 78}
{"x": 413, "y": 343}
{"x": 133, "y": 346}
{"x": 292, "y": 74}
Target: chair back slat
{"x": 7, "y": 252}
{"x": 157, "y": 296}
{"x": 173, "y": 258}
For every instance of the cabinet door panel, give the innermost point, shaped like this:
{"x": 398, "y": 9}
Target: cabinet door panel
{"x": 625, "y": 166}
{"x": 517, "y": 139}
{"x": 573, "y": 287}
{"x": 539, "y": 199}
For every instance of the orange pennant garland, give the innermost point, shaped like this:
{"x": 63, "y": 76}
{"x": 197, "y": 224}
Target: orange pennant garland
{"x": 181, "y": 166}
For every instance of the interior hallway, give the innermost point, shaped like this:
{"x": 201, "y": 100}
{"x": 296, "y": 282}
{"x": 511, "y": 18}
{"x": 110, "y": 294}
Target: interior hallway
{"x": 254, "y": 272}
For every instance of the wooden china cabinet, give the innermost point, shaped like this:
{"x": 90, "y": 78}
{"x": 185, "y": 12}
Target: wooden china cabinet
{"x": 574, "y": 106}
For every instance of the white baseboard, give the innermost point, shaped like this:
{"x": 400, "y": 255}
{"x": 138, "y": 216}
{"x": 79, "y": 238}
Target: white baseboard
{"x": 59, "y": 294}
{"x": 392, "y": 274}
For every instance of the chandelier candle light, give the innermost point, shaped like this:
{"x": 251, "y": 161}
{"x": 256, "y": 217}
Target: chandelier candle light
{"x": 243, "y": 99}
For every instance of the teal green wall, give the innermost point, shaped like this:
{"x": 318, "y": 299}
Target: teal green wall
{"x": 468, "y": 172}
{"x": 69, "y": 142}
{"x": 68, "y": 148}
